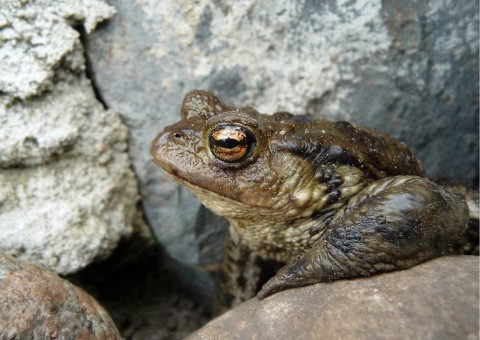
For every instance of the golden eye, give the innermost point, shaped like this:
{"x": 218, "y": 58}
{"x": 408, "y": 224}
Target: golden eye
{"x": 231, "y": 143}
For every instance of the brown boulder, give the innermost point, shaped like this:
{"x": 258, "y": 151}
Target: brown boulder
{"x": 37, "y": 304}
{"x": 438, "y": 299}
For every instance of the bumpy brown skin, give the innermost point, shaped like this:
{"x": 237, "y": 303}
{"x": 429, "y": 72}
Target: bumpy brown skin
{"x": 331, "y": 199}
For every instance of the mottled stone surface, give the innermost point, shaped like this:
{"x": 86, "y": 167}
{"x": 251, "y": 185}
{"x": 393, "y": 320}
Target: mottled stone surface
{"x": 435, "y": 300}
{"x": 36, "y": 37}
{"x": 408, "y": 68}
{"x": 37, "y": 304}
{"x": 68, "y": 194}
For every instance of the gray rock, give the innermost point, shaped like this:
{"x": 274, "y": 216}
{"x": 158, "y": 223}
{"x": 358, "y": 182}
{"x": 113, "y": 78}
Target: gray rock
{"x": 408, "y": 68}
{"x": 435, "y": 300}
{"x": 68, "y": 194}
{"x": 35, "y": 38}
{"x": 37, "y": 304}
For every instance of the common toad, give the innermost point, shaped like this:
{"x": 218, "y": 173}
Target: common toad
{"x": 330, "y": 199}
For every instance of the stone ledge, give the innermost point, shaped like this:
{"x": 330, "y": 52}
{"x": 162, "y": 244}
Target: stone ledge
{"x": 438, "y": 299}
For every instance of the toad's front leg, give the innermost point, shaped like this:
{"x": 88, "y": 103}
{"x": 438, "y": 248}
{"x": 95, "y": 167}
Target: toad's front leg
{"x": 392, "y": 224}
{"x": 239, "y": 273}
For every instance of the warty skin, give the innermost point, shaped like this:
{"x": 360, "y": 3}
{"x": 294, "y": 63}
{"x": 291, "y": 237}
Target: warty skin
{"x": 331, "y": 200}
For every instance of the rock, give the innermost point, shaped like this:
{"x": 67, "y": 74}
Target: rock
{"x": 68, "y": 195}
{"x": 37, "y": 37}
{"x": 438, "y": 299}
{"x": 409, "y": 68}
{"x": 37, "y": 304}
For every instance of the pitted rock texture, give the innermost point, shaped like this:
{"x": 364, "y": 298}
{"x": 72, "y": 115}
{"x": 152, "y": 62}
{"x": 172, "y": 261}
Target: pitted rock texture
{"x": 438, "y": 299}
{"x": 37, "y": 304}
{"x": 407, "y": 68}
{"x": 36, "y": 37}
{"x": 68, "y": 194}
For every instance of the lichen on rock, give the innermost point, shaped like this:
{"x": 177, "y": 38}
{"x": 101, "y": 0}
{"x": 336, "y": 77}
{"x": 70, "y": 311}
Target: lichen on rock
{"x": 68, "y": 194}
{"x": 35, "y": 38}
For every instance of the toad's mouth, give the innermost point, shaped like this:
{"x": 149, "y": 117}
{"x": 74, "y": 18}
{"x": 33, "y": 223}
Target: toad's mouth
{"x": 204, "y": 194}
{"x": 229, "y": 206}
{"x": 174, "y": 175}
{"x": 220, "y": 204}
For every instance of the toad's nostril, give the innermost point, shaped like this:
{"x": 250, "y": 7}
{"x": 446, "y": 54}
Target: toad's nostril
{"x": 177, "y": 135}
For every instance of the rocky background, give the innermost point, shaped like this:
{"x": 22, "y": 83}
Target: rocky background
{"x": 85, "y": 85}
{"x": 408, "y": 68}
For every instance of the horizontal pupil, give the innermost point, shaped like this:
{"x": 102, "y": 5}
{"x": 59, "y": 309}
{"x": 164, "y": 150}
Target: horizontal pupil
{"x": 227, "y": 143}
{"x": 231, "y": 143}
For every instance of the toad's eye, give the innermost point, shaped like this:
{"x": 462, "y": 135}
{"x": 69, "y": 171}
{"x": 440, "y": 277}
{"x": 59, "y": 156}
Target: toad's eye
{"x": 231, "y": 143}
